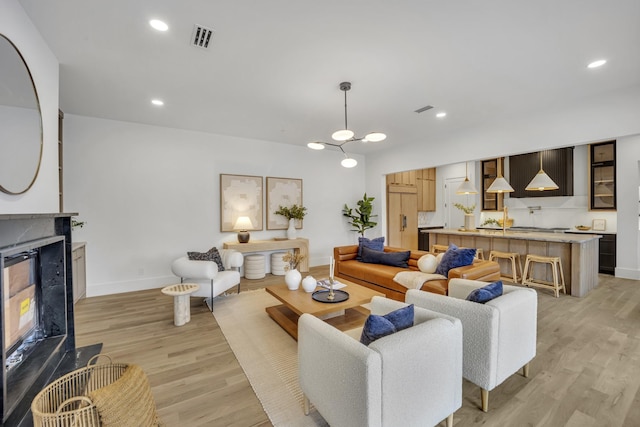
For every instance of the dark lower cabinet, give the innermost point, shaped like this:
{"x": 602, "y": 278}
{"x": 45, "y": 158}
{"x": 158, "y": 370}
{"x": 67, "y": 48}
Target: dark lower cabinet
{"x": 608, "y": 254}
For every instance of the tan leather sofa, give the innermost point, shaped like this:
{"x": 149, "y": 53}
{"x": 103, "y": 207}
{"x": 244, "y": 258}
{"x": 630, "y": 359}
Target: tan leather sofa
{"x": 380, "y": 277}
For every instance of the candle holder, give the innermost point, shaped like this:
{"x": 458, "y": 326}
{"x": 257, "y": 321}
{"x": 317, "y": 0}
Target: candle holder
{"x": 331, "y": 295}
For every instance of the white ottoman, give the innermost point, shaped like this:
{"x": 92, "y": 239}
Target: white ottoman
{"x": 277, "y": 264}
{"x": 181, "y": 305}
{"x": 254, "y": 266}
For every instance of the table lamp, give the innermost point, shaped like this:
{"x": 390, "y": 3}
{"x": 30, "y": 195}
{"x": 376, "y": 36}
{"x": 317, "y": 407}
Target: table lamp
{"x": 243, "y": 223}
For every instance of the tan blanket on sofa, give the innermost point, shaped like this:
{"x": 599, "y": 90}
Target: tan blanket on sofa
{"x": 415, "y": 279}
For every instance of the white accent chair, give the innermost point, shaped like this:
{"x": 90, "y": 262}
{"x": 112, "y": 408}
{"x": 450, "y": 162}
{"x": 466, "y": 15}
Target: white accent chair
{"x": 200, "y": 271}
{"x": 499, "y": 337}
{"x": 410, "y": 378}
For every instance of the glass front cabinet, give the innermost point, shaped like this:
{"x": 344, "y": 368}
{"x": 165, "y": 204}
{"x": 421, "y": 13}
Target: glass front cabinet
{"x": 602, "y": 173}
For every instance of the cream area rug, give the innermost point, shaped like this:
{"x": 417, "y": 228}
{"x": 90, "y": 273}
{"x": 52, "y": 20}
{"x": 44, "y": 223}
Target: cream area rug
{"x": 267, "y": 354}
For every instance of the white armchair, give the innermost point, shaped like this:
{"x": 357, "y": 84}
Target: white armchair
{"x": 410, "y": 378}
{"x": 499, "y": 337}
{"x": 200, "y": 271}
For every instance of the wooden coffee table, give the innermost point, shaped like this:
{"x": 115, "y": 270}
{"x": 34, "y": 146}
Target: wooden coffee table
{"x": 343, "y": 315}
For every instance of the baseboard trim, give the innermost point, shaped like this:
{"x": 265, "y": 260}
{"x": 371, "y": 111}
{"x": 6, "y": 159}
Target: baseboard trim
{"x": 627, "y": 273}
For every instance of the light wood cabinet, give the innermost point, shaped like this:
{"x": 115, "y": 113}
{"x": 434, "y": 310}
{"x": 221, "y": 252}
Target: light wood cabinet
{"x": 403, "y": 179}
{"x": 79, "y": 271}
{"x": 426, "y": 187}
{"x": 402, "y": 217}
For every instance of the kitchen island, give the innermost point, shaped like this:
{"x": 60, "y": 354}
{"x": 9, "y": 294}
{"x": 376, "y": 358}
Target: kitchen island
{"x": 578, "y": 252}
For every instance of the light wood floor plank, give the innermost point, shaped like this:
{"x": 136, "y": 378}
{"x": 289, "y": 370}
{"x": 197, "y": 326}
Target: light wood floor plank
{"x": 586, "y": 372}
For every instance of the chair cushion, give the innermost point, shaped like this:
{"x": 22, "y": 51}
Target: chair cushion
{"x": 376, "y": 244}
{"x": 394, "y": 259}
{"x": 455, "y": 257}
{"x": 486, "y": 293}
{"x": 428, "y": 263}
{"x": 376, "y": 327}
{"x": 211, "y": 255}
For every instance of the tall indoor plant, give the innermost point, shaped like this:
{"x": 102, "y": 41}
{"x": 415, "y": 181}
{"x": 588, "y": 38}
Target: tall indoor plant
{"x": 360, "y": 217}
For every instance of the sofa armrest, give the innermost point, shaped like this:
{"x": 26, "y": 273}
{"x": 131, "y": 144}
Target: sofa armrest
{"x": 479, "y": 270}
{"x": 189, "y": 269}
{"x": 231, "y": 258}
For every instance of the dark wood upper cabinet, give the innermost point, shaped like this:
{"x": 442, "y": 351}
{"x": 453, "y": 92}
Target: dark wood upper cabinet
{"x": 558, "y": 164}
{"x": 602, "y": 174}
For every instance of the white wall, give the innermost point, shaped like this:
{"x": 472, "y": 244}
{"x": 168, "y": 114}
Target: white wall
{"x": 16, "y": 26}
{"x": 149, "y": 194}
{"x": 628, "y": 182}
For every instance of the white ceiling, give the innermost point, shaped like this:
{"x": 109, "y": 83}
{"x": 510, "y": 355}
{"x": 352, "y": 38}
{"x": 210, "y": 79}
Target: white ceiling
{"x": 273, "y": 67}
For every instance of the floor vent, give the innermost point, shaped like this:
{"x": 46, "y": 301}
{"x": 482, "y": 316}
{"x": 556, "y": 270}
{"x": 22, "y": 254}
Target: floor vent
{"x": 201, "y": 36}
{"x": 423, "y": 109}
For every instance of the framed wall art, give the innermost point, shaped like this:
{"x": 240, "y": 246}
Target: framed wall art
{"x": 240, "y": 195}
{"x": 282, "y": 192}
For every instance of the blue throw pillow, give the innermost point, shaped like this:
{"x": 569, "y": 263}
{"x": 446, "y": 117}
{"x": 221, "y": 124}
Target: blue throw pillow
{"x": 394, "y": 259}
{"x": 376, "y": 244}
{"x": 376, "y": 327}
{"x": 486, "y": 293}
{"x": 455, "y": 257}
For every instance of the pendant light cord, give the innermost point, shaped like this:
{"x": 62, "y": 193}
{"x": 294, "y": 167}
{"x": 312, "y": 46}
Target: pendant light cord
{"x": 345, "y": 111}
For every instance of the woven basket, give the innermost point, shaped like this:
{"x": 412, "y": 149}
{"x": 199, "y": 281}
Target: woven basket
{"x": 65, "y": 402}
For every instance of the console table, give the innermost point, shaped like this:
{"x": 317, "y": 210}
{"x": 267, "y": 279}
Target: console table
{"x": 299, "y": 246}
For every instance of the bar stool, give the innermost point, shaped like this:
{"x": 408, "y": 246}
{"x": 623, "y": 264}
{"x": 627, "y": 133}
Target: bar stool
{"x": 513, "y": 257}
{"x": 479, "y": 253}
{"x": 554, "y": 262}
{"x": 436, "y": 249}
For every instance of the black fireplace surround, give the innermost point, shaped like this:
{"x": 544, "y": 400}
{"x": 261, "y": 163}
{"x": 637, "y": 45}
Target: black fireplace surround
{"x": 54, "y": 353}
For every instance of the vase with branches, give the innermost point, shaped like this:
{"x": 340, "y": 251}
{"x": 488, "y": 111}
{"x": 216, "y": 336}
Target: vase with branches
{"x": 292, "y": 213}
{"x": 360, "y": 217}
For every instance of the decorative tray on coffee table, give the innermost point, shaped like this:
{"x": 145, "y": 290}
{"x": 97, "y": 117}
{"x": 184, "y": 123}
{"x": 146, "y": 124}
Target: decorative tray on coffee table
{"x": 323, "y": 296}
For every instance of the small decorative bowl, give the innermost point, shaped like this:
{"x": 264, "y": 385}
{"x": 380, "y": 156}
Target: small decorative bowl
{"x": 583, "y": 227}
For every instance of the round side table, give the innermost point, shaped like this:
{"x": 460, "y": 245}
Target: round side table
{"x": 181, "y": 306}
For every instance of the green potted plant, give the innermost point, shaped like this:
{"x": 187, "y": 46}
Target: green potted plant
{"x": 292, "y": 213}
{"x": 360, "y": 217}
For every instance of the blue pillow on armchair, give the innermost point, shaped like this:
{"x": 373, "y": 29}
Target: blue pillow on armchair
{"x": 376, "y": 327}
{"x": 376, "y": 244}
{"x": 455, "y": 257}
{"x": 486, "y": 293}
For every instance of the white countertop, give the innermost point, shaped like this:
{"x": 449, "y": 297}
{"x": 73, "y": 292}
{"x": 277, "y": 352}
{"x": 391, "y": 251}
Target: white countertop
{"x": 522, "y": 235}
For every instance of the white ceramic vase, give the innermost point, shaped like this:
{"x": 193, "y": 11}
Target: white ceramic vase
{"x": 291, "y": 231}
{"x": 309, "y": 284}
{"x": 292, "y": 279}
{"x": 469, "y": 222}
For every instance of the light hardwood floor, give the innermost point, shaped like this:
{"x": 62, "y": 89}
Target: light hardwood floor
{"x": 586, "y": 372}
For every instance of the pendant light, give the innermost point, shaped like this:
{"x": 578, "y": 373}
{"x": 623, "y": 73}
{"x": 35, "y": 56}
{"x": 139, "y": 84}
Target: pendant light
{"x": 345, "y": 135}
{"x": 542, "y": 181}
{"x": 499, "y": 186}
{"x": 466, "y": 187}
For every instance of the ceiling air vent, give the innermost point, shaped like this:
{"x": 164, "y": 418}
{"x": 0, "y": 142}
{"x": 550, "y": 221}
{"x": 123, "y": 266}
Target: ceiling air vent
{"x": 201, "y": 36}
{"x": 423, "y": 109}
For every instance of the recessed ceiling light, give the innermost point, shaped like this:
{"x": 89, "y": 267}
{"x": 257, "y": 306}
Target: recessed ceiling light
{"x": 158, "y": 25}
{"x": 157, "y": 102}
{"x": 598, "y": 63}
{"x": 441, "y": 114}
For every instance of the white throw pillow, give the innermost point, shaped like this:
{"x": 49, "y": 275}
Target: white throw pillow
{"x": 428, "y": 263}
{"x": 439, "y": 257}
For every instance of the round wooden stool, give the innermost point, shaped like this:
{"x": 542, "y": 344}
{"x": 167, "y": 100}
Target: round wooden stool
{"x": 554, "y": 262}
{"x": 181, "y": 306}
{"x": 513, "y": 257}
